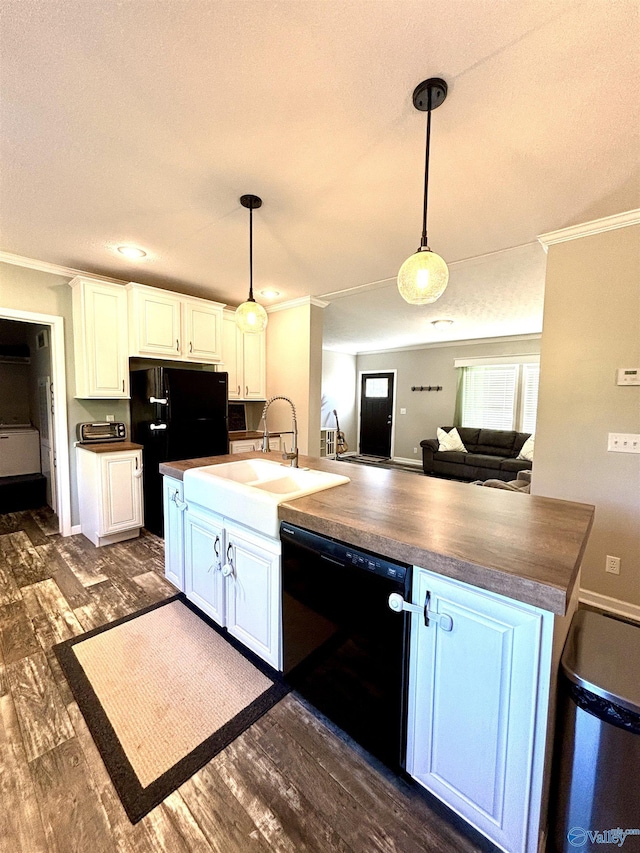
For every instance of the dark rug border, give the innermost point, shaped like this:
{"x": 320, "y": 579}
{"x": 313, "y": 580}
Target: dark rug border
{"x": 136, "y": 799}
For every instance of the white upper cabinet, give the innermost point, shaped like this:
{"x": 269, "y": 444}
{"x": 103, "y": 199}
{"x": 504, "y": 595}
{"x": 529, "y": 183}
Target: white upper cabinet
{"x": 167, "y": 325}
{"x": 101, "y": 357}
{"x": 201, "y": 330}
{"x": 244, "y": 358}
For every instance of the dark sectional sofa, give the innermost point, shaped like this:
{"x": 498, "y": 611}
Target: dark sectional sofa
{"x": 491, "y": 455}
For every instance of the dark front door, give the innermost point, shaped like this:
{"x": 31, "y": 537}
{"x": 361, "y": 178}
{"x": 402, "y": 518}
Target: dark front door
{"x": 376, "y": 414}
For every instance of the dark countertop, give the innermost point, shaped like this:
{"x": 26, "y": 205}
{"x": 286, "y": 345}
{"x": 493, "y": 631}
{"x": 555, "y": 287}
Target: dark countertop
{"x": 526, "y": 547}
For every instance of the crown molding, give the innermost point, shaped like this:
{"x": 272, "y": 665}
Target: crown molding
{"x": 296, "y": 303}
{"x": 53, "y": 269}
{"x": 463, "y": 342}
{"x": 587, "y": 229}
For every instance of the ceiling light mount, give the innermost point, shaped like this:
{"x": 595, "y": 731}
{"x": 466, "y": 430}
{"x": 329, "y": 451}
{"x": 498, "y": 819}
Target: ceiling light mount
{"x": 251, "y": 318}
{"x": 434, "y": 88}
{"x": 423, "y": 277}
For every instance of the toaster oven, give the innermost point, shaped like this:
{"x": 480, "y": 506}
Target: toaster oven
{"x": 92, "y": 433}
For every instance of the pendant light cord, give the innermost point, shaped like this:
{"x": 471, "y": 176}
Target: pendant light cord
{"x": 251, "y": 299}
{"x": 423, "y": 241}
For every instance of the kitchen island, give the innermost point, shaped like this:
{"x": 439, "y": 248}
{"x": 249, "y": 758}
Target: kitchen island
{"x": 496, "y": 572}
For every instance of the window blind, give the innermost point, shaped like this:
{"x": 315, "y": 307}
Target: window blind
{"x": 530, "y": 378}
{"x": 489, "y": 396}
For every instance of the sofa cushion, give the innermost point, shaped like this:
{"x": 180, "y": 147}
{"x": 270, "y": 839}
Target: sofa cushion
{"x": 450, "y": 440}
{"x": 496, "y": 442}
{"x": 515, "y": 465}
{"x": 451, "y": 456}
{"x": 482, "y": 460}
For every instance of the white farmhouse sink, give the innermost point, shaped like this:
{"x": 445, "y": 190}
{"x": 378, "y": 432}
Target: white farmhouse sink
{"x": 250, "y": 490}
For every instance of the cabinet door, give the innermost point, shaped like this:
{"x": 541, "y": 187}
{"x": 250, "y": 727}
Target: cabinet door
{"x": 202, "y": 336}
{"x": 245, "y": 445}
{"x": 253, "y": 592}
{"x": 174, "y": 509}
{"x": 155, "y": 317}
{"x": 204, "y": 544}
{"x": 100, "y": 339}
{"x": 472, "y": 704}
{"x": 121, "y": 476}
{"x": 232, "y": 355}
{"x": 254, "y": 357}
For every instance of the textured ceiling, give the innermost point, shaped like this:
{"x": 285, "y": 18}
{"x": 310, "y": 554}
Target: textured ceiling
{"x": 144, "y": 121}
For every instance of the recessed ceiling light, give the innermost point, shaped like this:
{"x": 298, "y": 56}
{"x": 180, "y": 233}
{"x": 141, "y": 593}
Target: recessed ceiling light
{"x": 269, "y": 294}
{"x": 132, "y": 252}
{"x": 441, "y": 324}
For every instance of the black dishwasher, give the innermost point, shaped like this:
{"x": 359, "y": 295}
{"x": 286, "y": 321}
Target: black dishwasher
{"x": 344, "y": 649}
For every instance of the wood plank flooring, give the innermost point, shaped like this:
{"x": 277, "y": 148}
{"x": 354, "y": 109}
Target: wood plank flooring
{"x": 291, "y": 783}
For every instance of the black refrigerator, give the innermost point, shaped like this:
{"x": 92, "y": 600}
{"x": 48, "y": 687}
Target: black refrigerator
{"x": 176, "y": 414}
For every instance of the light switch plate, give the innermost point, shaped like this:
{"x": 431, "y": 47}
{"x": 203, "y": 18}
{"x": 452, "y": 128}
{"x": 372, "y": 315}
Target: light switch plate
{"x": 624, "y": 442}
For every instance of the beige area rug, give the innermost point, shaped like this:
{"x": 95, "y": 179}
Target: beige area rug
{"x": 163, "y": 691}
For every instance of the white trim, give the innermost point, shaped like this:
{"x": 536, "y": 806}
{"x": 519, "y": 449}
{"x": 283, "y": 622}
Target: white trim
{"x": 296, "y": 303}
{"x": 54, "y": 269}
{"x": 587, "y": 229}
{"x": 612, "y": 605}
{"x": 63, "y": 481}
{"x": 479, "y": 361}
{"x": 404, "y": 460}
{"x": 75, "y": 530}
{"x": 362, "y": 373}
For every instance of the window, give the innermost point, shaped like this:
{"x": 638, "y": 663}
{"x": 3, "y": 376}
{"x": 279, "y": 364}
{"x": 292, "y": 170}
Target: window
{"x": 499, "y": 395}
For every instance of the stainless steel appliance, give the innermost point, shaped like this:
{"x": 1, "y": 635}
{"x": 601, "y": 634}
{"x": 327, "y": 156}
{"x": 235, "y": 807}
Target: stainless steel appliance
{"x": 597, "y": 770}
{"x": 176, "y": 413}
{"x": 344, "y": 650}
{"x": 97, "y": 432}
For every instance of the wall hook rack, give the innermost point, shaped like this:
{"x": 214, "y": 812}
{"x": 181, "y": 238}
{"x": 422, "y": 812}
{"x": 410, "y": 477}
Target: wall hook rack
{"x": 426, "y": 387}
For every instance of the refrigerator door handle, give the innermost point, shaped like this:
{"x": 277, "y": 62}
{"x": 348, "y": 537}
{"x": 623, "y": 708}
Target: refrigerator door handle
{"x": 157, "y": 426}
{"x": 162, "y": 400}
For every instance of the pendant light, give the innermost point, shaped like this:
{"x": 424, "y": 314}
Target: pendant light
{"x": 251, "y": 318}
{"x": 423, "y": 277}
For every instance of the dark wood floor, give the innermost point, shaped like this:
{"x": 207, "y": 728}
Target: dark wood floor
{"x": 290, "y": 783}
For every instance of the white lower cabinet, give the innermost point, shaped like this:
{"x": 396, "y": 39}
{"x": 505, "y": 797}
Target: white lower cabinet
{"x": 478, "y": 695}
{"x": 246, "y": 445}
{"x": 233, "y": 575}
{"x": 174, "y": 508}
{"x": 109, "y": 494}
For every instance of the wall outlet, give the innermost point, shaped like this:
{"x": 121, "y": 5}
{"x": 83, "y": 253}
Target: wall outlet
{"x": 403, "y": 411}
{"x": 613, "y": 565}
{"x": 415, "y": 449}
{"x": 111, "y": 419}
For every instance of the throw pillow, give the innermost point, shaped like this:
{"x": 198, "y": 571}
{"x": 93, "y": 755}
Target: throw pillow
{"x": 527, "y": 450}
{"x": 450, "y": 440}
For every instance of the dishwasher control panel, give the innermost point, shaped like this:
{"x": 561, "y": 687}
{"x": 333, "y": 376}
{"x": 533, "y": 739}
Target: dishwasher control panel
{"x": 338, "y": 552}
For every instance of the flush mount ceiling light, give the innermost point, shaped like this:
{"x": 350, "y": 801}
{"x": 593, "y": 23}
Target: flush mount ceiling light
{"x": 423, "y": 277}
{"x": 132, "y": 252}
{"x": 441, "y": 324}
{"x": 251, "y": 317}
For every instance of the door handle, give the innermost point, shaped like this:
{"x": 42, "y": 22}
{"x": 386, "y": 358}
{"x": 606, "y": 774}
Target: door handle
{"x": 153, "y": 427}
{"x": 162, "y": 400}
{"x": 177, "y": 345}
{"x": 398, "y": 604}
{"x": 227, "y": 569}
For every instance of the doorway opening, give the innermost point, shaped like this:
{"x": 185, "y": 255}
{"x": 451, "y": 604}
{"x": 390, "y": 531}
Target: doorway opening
{"x": 377, "y": 407}
{"x": 34, "y": 415}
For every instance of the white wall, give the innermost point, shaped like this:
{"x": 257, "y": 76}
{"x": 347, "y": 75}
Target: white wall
{"x": 294, "y": 370}
{"x": 591, "y": 328}
{"x": 339, "y": 392}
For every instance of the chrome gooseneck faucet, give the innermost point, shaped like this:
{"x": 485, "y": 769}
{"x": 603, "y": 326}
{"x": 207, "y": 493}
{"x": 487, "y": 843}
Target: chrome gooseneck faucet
{"x": 292, "y": 456}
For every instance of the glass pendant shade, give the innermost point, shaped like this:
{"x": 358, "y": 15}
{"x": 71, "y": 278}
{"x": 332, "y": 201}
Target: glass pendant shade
{"x": 251, "y": 317}
{"x": 423, "y": 277}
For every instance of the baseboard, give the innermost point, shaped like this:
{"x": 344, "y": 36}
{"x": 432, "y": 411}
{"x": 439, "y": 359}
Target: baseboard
{"x": 611, "y": 605}
{"x": 406, "y": 461}
{"x": 75, "y": 529}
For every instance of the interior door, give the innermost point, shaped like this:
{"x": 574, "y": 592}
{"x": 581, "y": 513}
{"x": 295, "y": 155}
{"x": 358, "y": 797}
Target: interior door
{"x": 376, "y": 414}
{"x": 47, "y": 439}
